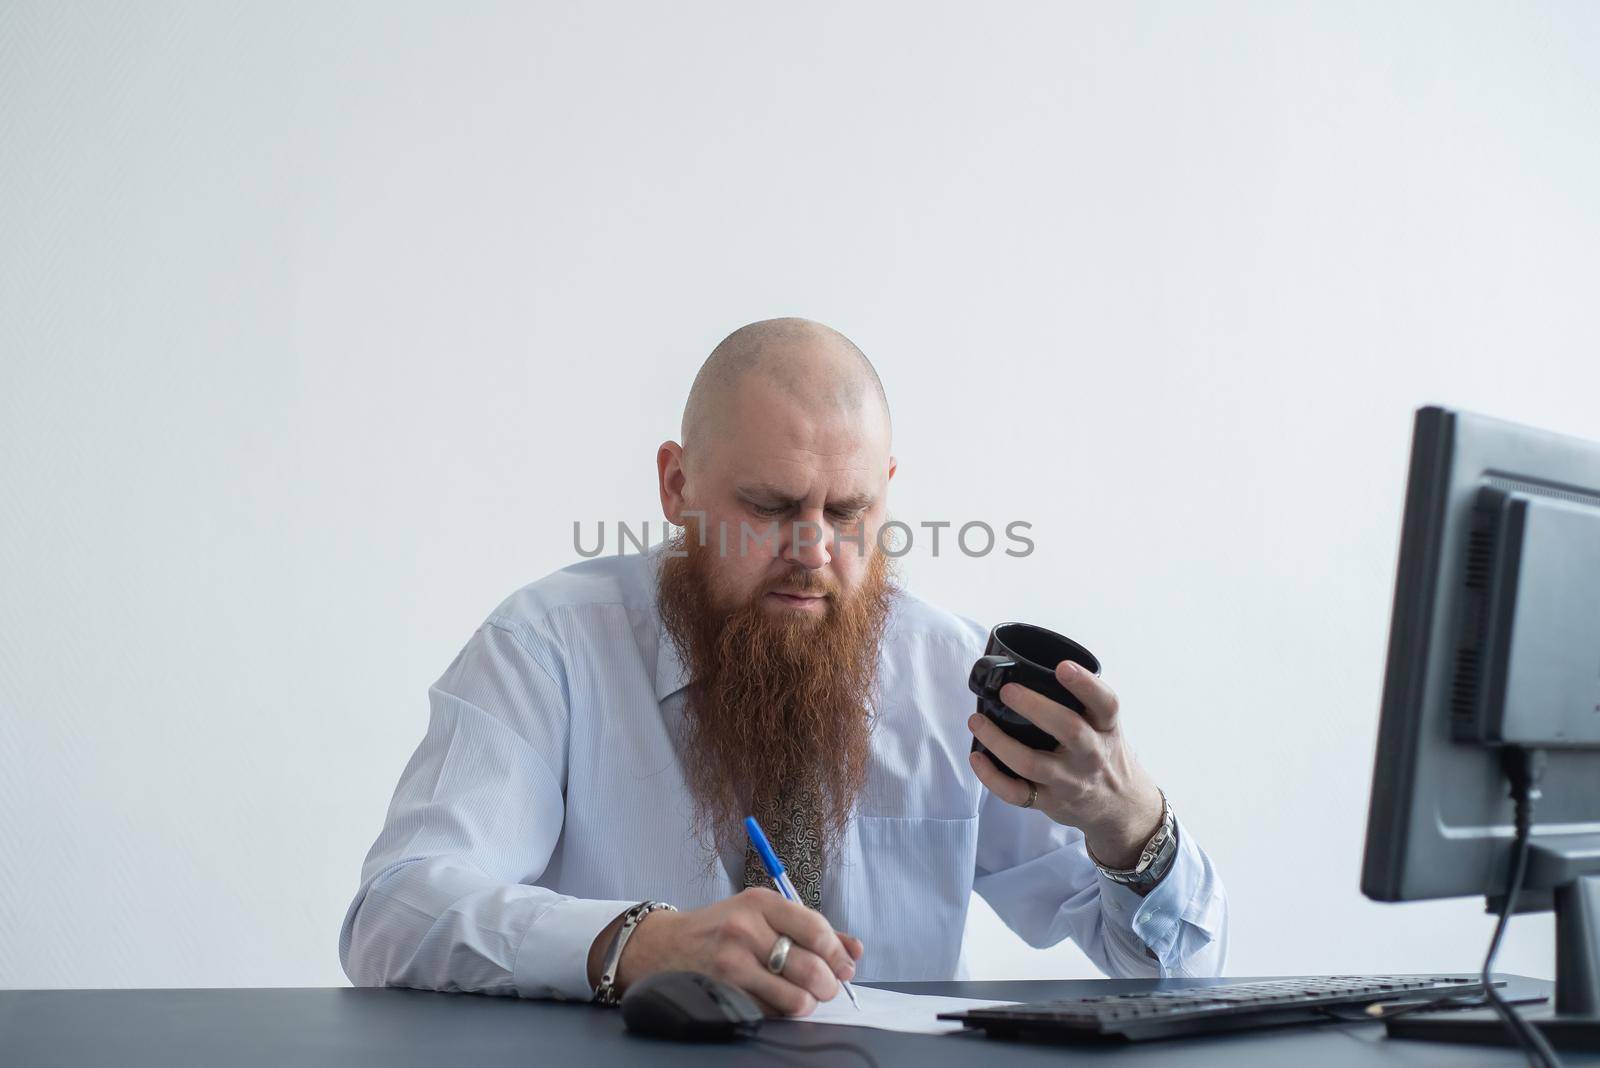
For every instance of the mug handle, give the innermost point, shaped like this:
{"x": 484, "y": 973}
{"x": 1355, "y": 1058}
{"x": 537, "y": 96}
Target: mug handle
{"x": 985, "y": 680}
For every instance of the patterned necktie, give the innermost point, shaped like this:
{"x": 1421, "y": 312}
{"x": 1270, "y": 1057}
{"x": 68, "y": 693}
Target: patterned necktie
{"x": 793, "y": 822}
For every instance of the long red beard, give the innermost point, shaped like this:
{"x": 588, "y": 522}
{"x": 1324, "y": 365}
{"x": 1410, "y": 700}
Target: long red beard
{"x": 773, "y": 698}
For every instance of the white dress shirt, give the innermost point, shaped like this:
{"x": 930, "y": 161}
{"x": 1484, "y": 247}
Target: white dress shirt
{"x": 547, "y": 797}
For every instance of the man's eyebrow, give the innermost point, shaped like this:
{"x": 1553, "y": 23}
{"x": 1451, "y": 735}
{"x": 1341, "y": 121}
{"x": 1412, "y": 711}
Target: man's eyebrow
{"x": 767, "y": 493}
{"x": 856, "y": 502}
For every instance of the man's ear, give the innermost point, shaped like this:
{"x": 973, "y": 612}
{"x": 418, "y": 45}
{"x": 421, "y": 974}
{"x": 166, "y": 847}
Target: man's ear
{"x": 891, "y": 469}
{"x": 670, "y": 475}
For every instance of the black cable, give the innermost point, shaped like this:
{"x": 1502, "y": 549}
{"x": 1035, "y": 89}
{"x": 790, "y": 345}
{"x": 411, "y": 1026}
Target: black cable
{"x": 1523, "y": 767}
{"x": 808, "y": 1047}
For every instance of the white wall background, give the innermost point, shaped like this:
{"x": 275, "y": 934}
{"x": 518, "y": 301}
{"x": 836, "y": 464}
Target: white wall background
{"x": 320, "y": 325}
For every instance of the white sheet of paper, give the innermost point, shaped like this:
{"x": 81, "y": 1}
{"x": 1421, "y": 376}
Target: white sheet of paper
{"x": 890, "y": 1010}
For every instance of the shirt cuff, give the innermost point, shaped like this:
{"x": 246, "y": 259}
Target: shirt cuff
{"x": 553, "y": 959}
{"x": 1156, "y": 918}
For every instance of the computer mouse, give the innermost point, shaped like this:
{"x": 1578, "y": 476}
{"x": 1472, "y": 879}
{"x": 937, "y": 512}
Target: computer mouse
{"x": 689, "y": 1007}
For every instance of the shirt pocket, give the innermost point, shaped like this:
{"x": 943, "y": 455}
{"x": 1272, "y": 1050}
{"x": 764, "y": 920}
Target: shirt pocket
{"x": 907, "y": 896}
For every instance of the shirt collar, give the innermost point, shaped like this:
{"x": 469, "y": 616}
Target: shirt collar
{"x": 671, "y": 675}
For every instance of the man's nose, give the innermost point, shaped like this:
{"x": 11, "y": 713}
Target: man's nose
{"x": 807, "y": 545}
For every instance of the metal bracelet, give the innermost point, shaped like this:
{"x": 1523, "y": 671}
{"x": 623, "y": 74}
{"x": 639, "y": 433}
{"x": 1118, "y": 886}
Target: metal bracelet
{"x": 1154, "y": 858}
{"x": 606, "y": 993}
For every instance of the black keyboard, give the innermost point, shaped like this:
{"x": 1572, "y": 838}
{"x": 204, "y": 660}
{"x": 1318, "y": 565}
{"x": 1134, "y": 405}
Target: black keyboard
{"x": 1203, "y": 1009}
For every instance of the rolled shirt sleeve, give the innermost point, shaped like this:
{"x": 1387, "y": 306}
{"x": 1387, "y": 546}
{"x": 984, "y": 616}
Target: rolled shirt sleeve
{"x": 446, "y": 899}
{"x": 1038, "y": 877}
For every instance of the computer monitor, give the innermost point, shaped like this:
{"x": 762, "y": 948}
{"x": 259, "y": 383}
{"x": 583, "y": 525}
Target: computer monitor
{"x": 1494, "y": 647}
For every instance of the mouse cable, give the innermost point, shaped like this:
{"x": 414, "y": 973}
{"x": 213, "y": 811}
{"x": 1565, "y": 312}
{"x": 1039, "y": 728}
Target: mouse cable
{"x": 799, "y": 1048}
{"x": 1523, "y": 767}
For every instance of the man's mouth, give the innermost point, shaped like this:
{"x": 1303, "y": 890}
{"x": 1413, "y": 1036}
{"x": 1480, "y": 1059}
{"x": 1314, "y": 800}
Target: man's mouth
{"x": 803, "y": 601}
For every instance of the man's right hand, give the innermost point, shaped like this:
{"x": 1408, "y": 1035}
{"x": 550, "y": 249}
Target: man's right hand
{"x": 730, "y": 941}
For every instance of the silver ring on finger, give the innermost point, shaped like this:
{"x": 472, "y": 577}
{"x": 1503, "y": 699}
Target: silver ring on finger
{"x": 1033, "y": 795}
{"x": 779, "y": 955}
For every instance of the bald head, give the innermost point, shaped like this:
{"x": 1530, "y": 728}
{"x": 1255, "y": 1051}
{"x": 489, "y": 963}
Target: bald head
{"x": 816, "y": 367}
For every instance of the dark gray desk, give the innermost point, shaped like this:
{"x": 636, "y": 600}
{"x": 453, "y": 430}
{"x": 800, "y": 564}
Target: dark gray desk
{"x": 404, "y": 1028}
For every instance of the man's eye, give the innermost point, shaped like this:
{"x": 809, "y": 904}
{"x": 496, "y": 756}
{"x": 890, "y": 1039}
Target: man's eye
{"x": 764, "y": 512}
{"x": 847, "y": 517}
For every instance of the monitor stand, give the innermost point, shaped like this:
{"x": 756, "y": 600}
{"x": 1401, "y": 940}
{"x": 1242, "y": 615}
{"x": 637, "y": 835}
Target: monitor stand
{"x": 1575, "y": 1022}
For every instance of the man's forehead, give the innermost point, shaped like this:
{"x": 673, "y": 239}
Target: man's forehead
{"x": 799, "y": 471}
{"x": 795, "y": 451}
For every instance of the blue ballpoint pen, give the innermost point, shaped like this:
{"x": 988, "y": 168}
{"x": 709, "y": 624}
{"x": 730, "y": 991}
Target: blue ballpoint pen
{"x": 780, "y": 879}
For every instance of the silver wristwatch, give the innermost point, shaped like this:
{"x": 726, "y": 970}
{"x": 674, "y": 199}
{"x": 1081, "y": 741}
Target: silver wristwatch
{"x": 606, "y": 993}
{"x": 1154, "y": 859}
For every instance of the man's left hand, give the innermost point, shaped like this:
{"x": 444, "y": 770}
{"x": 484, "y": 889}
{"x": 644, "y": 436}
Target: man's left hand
{"x": 1092, "y": 782}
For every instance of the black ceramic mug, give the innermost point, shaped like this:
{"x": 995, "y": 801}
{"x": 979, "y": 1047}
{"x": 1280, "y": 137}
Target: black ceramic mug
{"x": 1026, "y": 655}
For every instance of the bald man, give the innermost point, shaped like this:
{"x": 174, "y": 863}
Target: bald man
{"x": 572, "y": 820}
